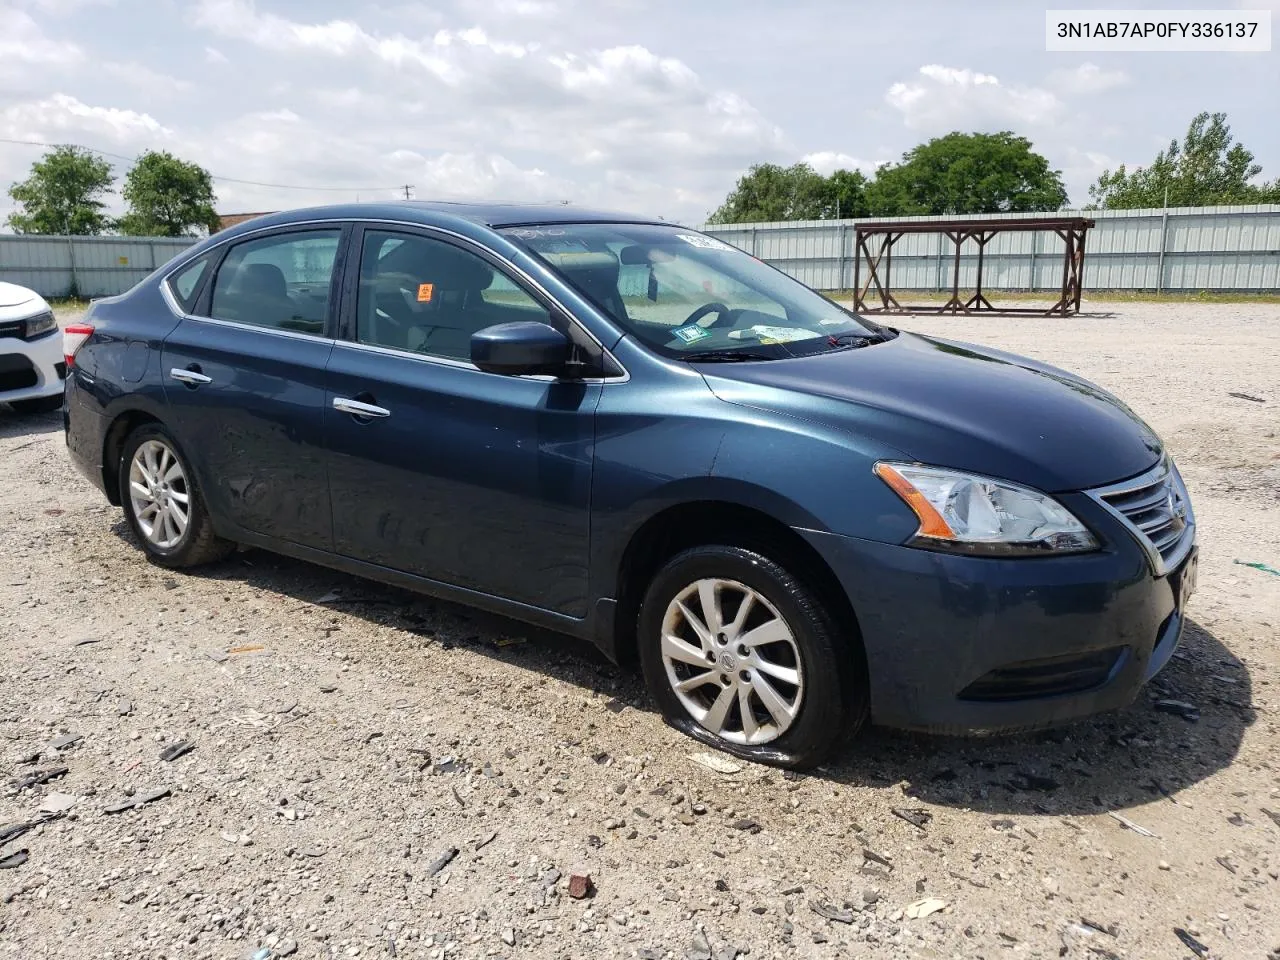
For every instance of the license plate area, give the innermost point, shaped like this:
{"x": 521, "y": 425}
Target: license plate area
{"x": 1184, "y": 580}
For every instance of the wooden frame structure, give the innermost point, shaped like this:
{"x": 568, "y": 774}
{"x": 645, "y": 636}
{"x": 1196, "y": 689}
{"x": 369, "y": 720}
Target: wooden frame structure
{"x": 883, "y": 235}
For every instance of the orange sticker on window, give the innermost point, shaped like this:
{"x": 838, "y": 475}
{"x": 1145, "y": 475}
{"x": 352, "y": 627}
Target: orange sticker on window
{"x": 424, "y": 292}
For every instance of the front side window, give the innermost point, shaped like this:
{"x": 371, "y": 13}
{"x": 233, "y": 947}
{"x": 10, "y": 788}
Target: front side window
{"x": 427, "y": 296}
{"x": 686, "y": 294}
{"x": 282, "y": 281}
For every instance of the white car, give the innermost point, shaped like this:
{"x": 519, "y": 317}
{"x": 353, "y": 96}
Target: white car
{"x": 32, "y": 367}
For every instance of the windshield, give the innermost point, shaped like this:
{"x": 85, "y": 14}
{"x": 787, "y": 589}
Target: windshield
{"x": 688, "y": 295}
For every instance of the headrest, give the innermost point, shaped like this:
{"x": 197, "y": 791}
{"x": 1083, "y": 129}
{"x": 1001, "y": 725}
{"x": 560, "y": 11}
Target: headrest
{"x": 586, "y": 267}
{"x": 441, "y": 265}
{"x": 263, "y": 279}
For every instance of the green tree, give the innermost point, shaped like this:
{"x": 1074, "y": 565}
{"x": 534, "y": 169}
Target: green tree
{"x": 167, "y": 197}
{"x": 768, "y": 191}
{"x": 846, "y": 195}
{"x": 964, "y": 173}
{"x": 1204, "y": 170}
{"x": 63, "y": 194}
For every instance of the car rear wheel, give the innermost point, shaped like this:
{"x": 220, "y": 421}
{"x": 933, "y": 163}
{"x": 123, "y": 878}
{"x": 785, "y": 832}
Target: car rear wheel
{"x": 742, "y": 654}
{"x": 162, "y": 502}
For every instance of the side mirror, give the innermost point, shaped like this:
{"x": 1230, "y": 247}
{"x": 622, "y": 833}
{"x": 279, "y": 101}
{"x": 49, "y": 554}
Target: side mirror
{"x": 523, "y": 347}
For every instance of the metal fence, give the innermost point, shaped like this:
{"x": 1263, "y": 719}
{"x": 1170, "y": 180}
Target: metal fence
{"x": 87, "y": 266}
{"x": 1235, "y": 248}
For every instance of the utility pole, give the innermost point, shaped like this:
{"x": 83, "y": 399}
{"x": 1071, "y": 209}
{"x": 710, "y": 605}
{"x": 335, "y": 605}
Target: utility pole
{"x": 407, "y": 188}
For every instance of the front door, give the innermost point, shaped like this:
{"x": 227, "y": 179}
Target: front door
{"x": 244, "y": 380}
{"x": 437, "y": 468}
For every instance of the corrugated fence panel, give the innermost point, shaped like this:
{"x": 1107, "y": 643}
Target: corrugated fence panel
{"x": 1205, "y": 248}
{"x": 89, "y": 266}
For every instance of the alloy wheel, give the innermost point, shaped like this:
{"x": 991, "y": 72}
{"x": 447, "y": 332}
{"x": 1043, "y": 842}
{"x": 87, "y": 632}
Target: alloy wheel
{"x": 732, "y": 661}
{"x": 159, "y": 494}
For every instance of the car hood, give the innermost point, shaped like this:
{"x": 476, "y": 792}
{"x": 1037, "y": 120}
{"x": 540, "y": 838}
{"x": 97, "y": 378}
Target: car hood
{"x": 18, "y": 303}
{"x": 956, "y": 405}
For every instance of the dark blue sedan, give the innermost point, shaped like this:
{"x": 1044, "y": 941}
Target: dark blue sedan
{"x": 795, "y": 519}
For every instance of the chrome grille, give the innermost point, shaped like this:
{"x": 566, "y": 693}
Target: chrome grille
{"x": 1156, "y": 509}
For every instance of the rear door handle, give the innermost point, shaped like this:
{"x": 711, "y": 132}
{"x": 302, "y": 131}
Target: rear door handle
{"x": 358, "y": 409}
{"x": 189, "y": 377}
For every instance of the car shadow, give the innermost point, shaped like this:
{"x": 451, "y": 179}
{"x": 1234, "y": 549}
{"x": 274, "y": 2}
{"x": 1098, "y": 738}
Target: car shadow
{"x": 15, "y": 424}
{"x": 1111, "y": 761}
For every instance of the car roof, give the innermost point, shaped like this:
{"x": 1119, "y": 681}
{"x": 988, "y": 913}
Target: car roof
{"x": 446, "y": 213}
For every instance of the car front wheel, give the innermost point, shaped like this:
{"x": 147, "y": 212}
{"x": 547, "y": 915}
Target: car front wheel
{"x": 744, "y": 655}
{"x": 162, "y": 501}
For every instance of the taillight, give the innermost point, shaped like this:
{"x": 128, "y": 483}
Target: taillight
{"x": 73, "y": 338}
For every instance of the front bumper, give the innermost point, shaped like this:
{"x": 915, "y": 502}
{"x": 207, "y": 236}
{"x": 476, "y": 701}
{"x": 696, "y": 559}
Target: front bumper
{"x": 960, "y": 644}
{"x": 31, "y": 369}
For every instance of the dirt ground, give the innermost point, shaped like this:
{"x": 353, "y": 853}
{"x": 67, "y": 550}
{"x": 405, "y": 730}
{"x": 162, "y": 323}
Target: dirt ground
{"x": 348, "y": 736}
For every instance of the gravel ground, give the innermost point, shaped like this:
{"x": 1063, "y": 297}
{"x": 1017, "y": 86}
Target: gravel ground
{"x": 348, "y": 738}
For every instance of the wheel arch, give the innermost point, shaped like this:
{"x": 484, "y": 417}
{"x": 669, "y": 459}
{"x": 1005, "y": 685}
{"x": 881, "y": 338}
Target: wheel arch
{"x": 702, "y": 522}
{"x": 113, "y": 442}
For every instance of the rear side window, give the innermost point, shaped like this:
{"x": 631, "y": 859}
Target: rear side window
{"x": 185, "y": 284}
{"x": 282, "y": 282}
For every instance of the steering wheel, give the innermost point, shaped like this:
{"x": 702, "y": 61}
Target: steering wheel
{"x": 724, "y": 314}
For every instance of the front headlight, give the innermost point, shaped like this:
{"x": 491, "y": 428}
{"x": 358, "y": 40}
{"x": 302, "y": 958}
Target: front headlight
{"x": 964, "y": 513}
{"x": 38, "y": 325}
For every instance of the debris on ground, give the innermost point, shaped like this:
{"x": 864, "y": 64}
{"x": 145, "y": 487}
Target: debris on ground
{"x": 137, "y": 800}
{"x": 1130, "y": 825}
{"x": 916, "y": 816}
{"x": 1191, "y": 943}
{"x": 1266, "y": 568}
{"x": 1179, "y": 708}
{"x": 175, "y": 750}
{"x": 58, "y": 802}
{"x": 717, "y": 762}
{"x": 38, "y": 777}
{"x": 923, "y": 908}
{"x": 831, "y": 912}
{"x": 442, "y": 861}
{"x": 580, "y": 883}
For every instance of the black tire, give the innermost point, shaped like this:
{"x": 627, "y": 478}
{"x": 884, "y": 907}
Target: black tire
{"x": 37, "y": 405}
{"x": 834, "y": 704}
{"x": 198, "y": 543}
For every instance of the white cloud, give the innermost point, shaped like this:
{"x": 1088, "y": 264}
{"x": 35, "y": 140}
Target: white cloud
{"x": 827, "y": 162}
{"x": 23, "y": 42}
{"x": 499, "y": 113}
{"x": 1088, "y": 78}
{"x": 214, "y": 55}
{"x": 60, "y": 7}
{"x": 63, "y": 118}
{"x": 944, "y": 98}
{"x": 143, "y": 78}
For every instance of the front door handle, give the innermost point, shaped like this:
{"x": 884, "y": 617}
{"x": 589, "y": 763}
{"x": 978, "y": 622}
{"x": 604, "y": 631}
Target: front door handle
{"x": 191, "y": 378}
{"x": 358, "y": 409}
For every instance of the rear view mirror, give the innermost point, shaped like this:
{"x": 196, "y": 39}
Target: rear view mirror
{"x": 523, "y": 347}
{"x": 634, "y": 256}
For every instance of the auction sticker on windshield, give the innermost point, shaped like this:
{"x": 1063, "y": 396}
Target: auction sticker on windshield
{"x": 692, "y": 333}
{"x": 705, "y": 243}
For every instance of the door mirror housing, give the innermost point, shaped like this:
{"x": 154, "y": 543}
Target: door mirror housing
{"x": 523, "y": 347}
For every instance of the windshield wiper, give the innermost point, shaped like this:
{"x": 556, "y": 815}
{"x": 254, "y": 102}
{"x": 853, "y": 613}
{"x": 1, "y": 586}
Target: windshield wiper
{"x": 856, "y": 340}
{"x": 725, "y": 356}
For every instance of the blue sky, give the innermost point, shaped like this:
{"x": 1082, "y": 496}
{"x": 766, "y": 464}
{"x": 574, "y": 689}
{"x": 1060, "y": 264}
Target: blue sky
{"x": 654, "y": 107}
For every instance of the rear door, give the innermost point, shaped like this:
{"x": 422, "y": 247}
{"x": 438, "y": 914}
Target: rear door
{"x": 470, "y": 478}
{"x": 244, "y": 378}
